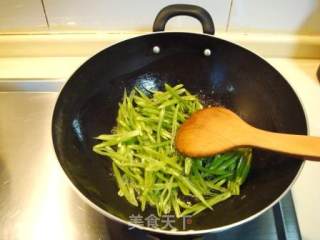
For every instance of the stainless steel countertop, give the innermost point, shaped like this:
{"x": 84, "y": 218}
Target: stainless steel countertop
{"x": 36, "y": 200}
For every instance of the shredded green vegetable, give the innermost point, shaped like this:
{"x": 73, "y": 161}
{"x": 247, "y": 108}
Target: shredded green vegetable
{"x": 148, "y": 169}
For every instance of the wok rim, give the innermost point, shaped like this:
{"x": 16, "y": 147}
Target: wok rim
{"x": 174, "y": 232}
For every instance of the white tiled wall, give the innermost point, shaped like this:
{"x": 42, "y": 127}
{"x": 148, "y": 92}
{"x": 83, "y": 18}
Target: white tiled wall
{"x": 292, "y": 16}
{"x": 289, "y": 16}
{"x": 22, "y": 15}
{"x": 124, "y": 15}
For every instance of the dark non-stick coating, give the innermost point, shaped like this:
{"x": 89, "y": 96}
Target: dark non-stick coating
{"x": 232, "y": 76}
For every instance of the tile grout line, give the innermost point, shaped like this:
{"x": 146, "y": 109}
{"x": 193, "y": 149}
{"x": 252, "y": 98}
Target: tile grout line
{"x": 45, "y": 14}
{"x": 229, "y": 16}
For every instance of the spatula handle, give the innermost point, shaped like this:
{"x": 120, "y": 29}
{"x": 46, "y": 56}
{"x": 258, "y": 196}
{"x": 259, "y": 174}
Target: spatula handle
{"x": 298, "y": 145}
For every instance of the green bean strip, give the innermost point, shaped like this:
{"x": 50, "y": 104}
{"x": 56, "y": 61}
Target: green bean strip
{"x": 147, "y": 168}
{"x": 199, "y": 207}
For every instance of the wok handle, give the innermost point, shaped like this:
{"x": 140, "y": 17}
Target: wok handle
{"x": 184, "y": 10}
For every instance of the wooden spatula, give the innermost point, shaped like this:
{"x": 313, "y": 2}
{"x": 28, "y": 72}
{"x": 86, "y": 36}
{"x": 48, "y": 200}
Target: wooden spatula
{"x": 217, "y": 129}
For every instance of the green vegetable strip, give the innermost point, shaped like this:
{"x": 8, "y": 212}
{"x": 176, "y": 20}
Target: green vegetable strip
{"x": 174, "y": 124}
{"x": 148, "y": 170}
{"x": 187, "y": 165}
{"x": 160, "y": 124}
{"x": 123, "y": 188}
{"x": 199, "y": 207}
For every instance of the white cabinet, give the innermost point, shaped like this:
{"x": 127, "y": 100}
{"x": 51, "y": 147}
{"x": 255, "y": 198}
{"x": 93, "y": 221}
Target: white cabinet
{"x": 285, "y": 16}
{"x": 291, "y": 16}
{"x": 124, "y": 15}
{"x": 22, "y": 15}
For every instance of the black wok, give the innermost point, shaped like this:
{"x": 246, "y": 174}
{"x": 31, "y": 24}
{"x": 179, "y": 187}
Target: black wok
{"x": 226, "y": 74}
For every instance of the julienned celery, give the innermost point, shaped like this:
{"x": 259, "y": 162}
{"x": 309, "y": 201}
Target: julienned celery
{"x": 148, "y": 170}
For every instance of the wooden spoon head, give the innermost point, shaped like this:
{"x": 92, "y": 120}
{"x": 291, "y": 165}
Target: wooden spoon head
{"x": 211, "y": 131}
